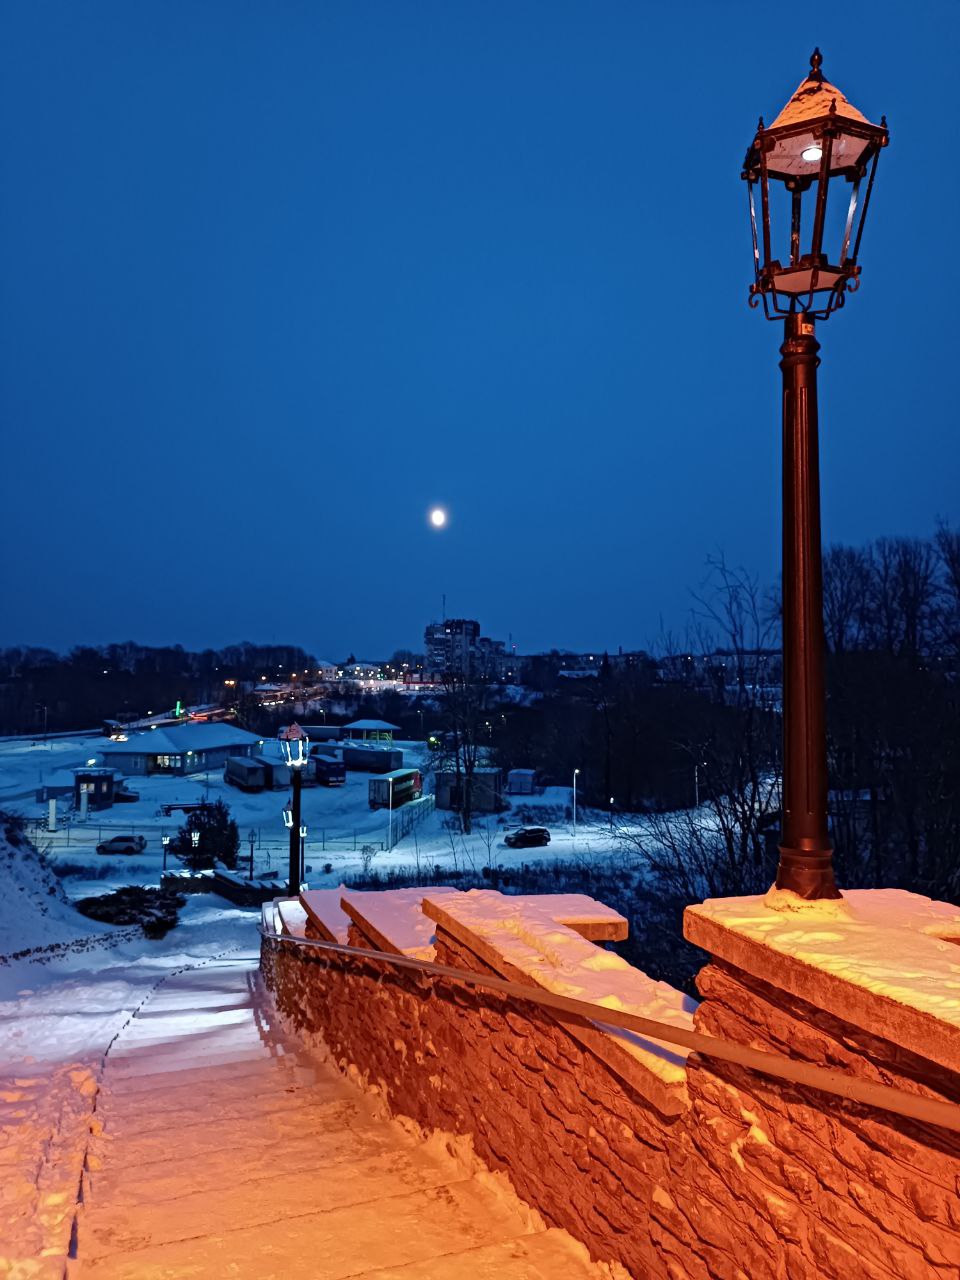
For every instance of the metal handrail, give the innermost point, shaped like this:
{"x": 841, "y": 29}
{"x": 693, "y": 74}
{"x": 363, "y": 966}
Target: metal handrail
{"x": 885, "y": 1097}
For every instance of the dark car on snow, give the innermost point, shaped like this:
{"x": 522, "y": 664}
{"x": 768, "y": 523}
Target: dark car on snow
{"x": 527, "y": 838}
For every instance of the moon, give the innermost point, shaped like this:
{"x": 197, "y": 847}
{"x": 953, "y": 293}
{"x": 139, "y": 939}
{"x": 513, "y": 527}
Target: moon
{"x": 438, "y": 517}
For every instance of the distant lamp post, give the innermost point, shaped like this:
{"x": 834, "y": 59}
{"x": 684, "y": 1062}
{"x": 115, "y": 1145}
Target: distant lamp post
{"x": 303, "y": 853}
{"x": 575, "y": 775}
{"x": 611, "y": 813}
{"x": 696, "y": 782}
{"x": 818, "y": 145}
{"x": 390, "y": 814}
{"x": 195, "y": 838}
{"x": 295, "y": 749}
{"x": 165, "y": 842}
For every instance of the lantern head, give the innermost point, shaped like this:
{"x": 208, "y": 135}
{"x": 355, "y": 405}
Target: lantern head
{"x": 805, "y": 252}
{"x": 295, "y": 746}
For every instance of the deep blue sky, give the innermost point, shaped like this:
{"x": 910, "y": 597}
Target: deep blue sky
{"x": 276, "y": 277}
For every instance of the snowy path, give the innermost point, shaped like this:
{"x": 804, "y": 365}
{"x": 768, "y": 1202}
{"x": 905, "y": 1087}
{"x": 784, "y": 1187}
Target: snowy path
{"x": 221, "y": 1149}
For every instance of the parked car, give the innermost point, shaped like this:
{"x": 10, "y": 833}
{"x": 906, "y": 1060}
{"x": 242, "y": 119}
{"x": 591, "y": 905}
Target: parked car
{"x": 122, "y": 844}
{"x": 527, "y": 838}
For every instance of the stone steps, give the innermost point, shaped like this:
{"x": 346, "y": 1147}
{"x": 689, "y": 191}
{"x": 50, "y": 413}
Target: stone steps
{"x": 224, "y": 1151}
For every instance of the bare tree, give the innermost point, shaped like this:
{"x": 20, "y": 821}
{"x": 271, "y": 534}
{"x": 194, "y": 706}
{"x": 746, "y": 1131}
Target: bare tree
{"x": 904, "y": 594}
{"x": 722, "y": 847}
{"x": 846, "y": 597}
{"x": 464, "y": 706}
{"x": 948, "y": 549}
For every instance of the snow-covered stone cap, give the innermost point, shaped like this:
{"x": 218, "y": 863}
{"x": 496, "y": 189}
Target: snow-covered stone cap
{"x": 322, "y": 908}
{"x": 522, "y": 939}
{"x": 816, "y": 97}
{"x": 887, "y": 961}
{"x": 393, "y": 919}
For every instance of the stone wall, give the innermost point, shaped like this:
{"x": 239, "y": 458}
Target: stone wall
{"x": 736, "y": 1177}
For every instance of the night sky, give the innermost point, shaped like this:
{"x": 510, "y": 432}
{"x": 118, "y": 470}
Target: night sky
{"x": 276, "y": 278}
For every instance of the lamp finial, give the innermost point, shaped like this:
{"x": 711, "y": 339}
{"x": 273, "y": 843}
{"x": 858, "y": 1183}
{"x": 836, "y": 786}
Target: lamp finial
{"x": 816, "y": 62}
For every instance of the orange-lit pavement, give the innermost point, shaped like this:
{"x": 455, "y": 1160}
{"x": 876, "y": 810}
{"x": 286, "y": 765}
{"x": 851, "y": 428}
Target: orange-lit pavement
{"x": 226, "y": 1152}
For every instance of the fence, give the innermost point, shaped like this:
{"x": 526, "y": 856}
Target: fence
{"x": 411, "y": 815}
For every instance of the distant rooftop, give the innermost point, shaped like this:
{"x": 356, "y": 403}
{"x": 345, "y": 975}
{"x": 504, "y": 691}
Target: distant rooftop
{"x": 180, "y": 738}
{"x": 372, "y": 724}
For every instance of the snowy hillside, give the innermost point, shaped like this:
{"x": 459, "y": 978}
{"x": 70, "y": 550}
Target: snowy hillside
{"x": 34, "y": 911}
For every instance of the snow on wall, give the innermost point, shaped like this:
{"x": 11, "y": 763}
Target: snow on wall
{"x": 527, "y": 937}
{"x": 394, "y": 921}
{"x": 884, "y": 958}
{"x": 326, "y": 919}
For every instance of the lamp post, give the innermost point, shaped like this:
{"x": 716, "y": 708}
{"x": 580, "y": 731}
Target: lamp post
{"x": 165, "y": 842}
{"x": 575, "y": 773}
{"x": 611, "y": 813}
{"x": 294, "y": 745}
{"x": 303, "y": 853}
{"x": 390, "y": 814}
{"x": 818, "y": 142}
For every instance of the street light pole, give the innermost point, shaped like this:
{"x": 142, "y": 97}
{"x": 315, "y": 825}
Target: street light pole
{"x": 295, "y": 745}
{"x": 575, "y": 772}
{"x": 294, "y": 851}
{"x": 819, "y": 143}
{"x": 806, "y": 851}
{"x": 390, "y": 815}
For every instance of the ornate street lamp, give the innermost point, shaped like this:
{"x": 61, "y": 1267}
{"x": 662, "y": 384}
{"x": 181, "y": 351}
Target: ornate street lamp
{"x": 295, "y": 748}
{"x": 819, "y": 146}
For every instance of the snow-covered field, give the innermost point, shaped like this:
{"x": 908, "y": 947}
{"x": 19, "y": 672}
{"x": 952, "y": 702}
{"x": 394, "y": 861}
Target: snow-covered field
{"x": 339, "y": 822}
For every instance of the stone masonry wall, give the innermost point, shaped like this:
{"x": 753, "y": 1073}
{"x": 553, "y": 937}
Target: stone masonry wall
{"x": 754, "y": 1180}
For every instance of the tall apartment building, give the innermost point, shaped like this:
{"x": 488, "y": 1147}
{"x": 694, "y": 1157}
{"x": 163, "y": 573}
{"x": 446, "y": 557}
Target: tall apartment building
{"x": 457, "y": 645}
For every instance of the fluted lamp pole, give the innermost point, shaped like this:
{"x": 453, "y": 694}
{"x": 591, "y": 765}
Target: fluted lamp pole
{"x": 820, "y": 145}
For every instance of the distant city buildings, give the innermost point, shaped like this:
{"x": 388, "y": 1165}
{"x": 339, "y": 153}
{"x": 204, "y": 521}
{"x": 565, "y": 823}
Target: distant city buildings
{"x": 724, "y": 673}
{"x": 456, "y": 646}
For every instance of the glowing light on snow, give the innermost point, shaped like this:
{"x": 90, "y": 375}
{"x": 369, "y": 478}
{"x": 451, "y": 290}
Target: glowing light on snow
{"x": 811, "y": 154}
{"x": 438, "y": 517}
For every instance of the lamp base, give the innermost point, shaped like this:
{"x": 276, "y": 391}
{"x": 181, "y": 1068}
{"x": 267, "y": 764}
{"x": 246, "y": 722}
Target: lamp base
{"x": 807, "y": 874}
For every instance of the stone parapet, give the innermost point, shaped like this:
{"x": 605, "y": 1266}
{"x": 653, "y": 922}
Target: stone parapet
{"x": 676, "y": 1167}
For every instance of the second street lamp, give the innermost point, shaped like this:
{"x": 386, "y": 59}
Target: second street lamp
{"x": 294, "y": 746}
{"x": 818, "y": 143}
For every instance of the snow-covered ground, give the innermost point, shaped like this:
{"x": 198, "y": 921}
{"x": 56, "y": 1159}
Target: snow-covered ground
{"x": 339, "y": 822}
{"x": 60, "y": 1008}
